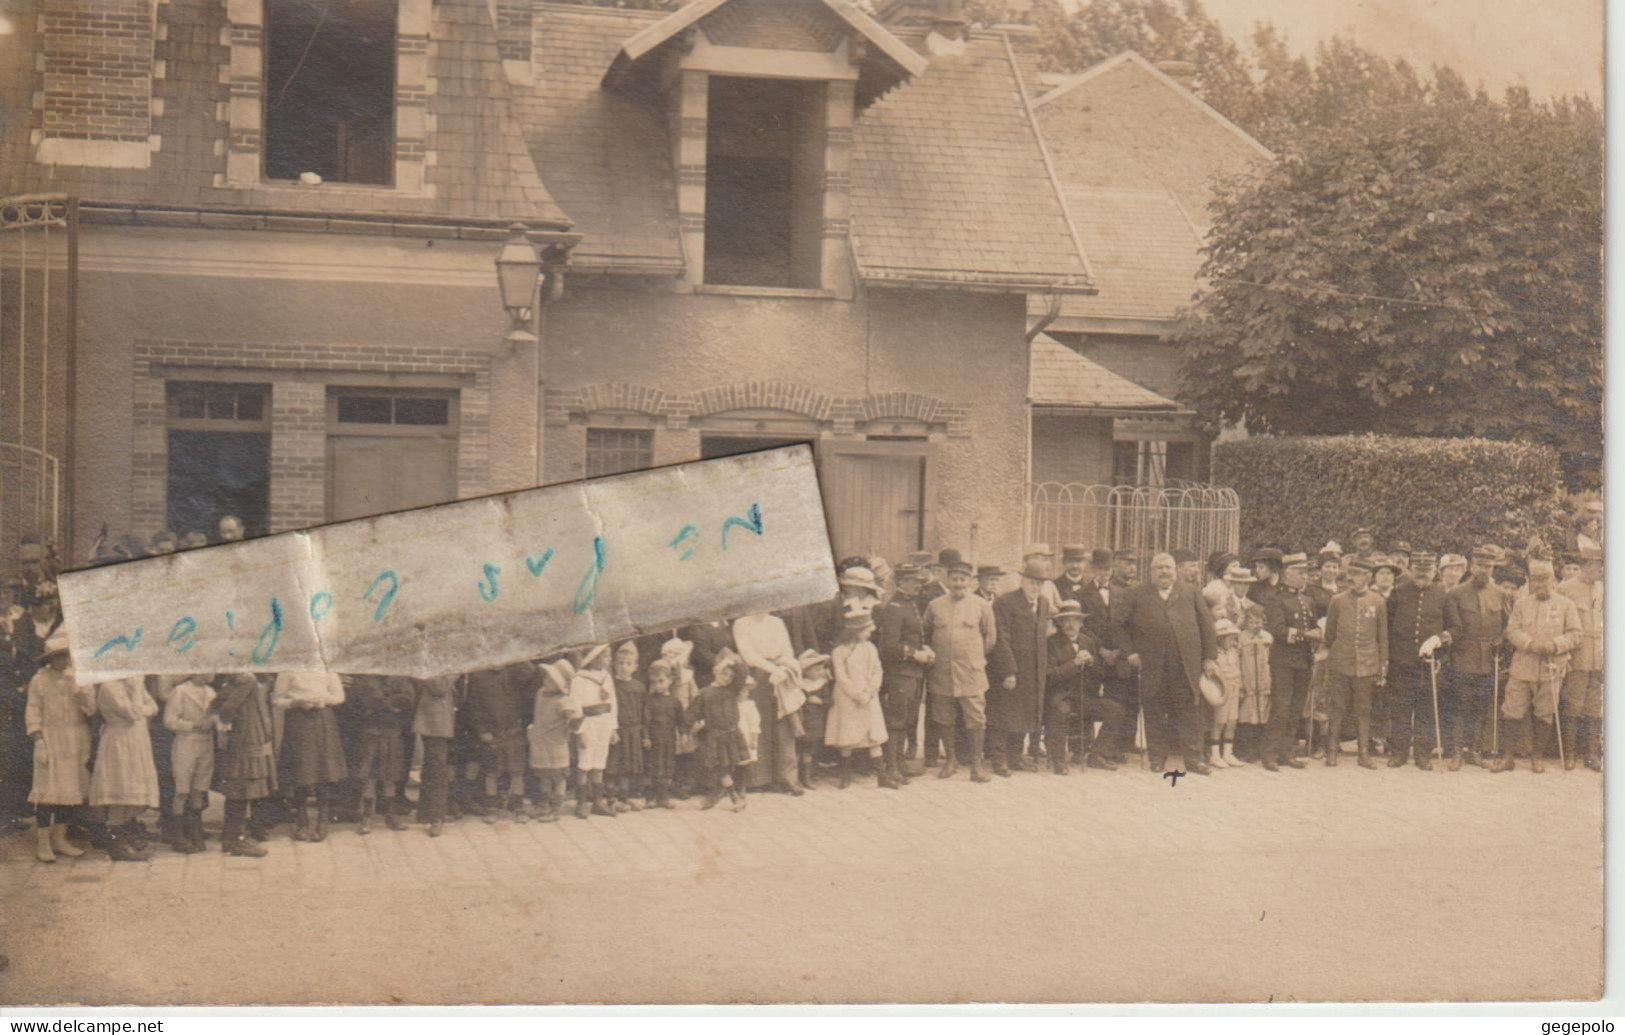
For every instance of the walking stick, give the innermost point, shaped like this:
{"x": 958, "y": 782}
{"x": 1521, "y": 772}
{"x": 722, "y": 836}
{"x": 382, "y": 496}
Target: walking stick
{"x": 1433, "y": 678}
{"x": 1495, "y": 704}
{"x": 1556, "y": 721}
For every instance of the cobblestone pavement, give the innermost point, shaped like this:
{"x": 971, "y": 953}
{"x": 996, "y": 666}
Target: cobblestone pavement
{"x": 1321, "y": 884}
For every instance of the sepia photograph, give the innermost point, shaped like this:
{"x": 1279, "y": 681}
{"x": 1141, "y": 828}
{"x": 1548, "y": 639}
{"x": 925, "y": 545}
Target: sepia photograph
{"x": 801, "y": 502}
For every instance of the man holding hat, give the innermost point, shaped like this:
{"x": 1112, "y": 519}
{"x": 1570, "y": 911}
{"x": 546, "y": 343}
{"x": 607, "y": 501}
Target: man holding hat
{"x": 900, "y": 639}
{"x": 1293, "y": 623}
{"x": 1475, "y": 616}
{"x": 959, "y": 628}
{"x": 1416, "y": 633}
{"x": 1357, "y": 637}
{"x": 1169, "y": 636}
{"x": 1582, "y": 687}
{"x": 1543, "y": 629}
{"x": 1069, "y": 691}
{"x": 1017, "y": 670}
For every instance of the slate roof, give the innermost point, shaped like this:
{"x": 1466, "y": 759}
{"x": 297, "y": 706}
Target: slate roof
{"x": 605, "y": 156}
{"x": 1057, "y": 376}
{"x": 951, "y": 184}
{"x": 1143, "y": 251}
{"x": 483, "y": 173}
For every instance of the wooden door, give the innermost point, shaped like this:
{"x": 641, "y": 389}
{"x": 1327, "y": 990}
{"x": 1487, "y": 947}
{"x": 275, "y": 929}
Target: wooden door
{"x": 875, "y": 500}
{"x": 389, "y": 451}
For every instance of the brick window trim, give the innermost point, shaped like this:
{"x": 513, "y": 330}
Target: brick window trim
{"x": 676, "y": 410}
{"x": 300, "y": 375}
{"x": 244, "y": 120}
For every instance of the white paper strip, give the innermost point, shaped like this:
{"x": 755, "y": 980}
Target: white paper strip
{"x": 469, "y": 585}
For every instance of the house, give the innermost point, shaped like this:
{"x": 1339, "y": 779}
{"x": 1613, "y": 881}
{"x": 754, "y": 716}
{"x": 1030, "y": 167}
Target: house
{"x": 1139, "y": 157}
{"x": 760, "y": 221}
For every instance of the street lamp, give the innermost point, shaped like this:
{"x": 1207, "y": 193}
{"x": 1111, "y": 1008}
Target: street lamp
{"x": 518, "y": 269}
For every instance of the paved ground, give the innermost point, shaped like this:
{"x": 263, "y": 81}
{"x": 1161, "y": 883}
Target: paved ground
{"x": 1324, "y": 884}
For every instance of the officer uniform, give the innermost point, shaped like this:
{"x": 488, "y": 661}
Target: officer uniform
{"x": 1542, "y": 632}
{"x": 1582, "y": 687}
{"x": 1357, "y": 639}
{"x": 1416, "y": 616}
{"x": 899, "y": 637}
{"x": 1293, "y": 623}
{"x": 961, "y": 634}
{"x": 1476, "y": 620}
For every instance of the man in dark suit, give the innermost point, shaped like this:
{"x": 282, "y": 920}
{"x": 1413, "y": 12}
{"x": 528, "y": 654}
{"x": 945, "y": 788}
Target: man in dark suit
{"x": 1017, "y": 670}
{"x": 1168, "y": 633}
{"x": 1116, "y": 678}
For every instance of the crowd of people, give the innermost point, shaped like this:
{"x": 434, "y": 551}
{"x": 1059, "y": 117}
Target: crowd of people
{"x": 1275, "y": 658}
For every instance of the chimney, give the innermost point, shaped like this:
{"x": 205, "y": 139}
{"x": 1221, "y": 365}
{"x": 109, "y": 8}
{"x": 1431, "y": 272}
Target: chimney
{"x": 1181, "y": 72}
{"x": 98, "y": 67}
{"x": 944, "y": 17}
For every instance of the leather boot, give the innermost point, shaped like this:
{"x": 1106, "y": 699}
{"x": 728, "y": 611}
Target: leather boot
{"x": 600, "y": 807}
{"x": 899, "y": 766}
{"x": 978, "y": 768}
{"x": 1000, "y": 750}
{"x": 1365, "y": 759}
{"x": 170, "y": 829}
{"x": 583, "y": 809}
{"x": 364, "y": 825}
{"x": 846, "y": 773}
{"x": 119, "y": 848}
{"x": 318, "y": 832}
{"x": 60, "y": 843}
{"x": 182, "y": 841}
{"x": 1541, "y": 741}
{"x": 887, "y": 776}
{"x": 1593, "y": 739}
{"x": 1571, "y": 743}
{"x": 301, "y": 820}
{"x": 199, "y": 836}
{"x": 808, "y": 771}
{"x": 392, "y": 816}
{"x": 42, "y": 843}
{"x": 242, "y": 847}
{"x": 950, "y": 764}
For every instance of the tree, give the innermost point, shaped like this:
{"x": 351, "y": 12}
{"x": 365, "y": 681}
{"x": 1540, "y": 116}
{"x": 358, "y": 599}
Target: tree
{"x": 1426, "y": 265}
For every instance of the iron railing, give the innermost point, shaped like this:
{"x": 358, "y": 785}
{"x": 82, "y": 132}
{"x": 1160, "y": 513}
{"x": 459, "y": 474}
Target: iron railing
{"x": 1148, "y": 519}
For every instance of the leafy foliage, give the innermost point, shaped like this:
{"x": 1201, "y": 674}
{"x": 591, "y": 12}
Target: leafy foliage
{"x": 1441, "y": 494}
{"x": 1421, "y": 268}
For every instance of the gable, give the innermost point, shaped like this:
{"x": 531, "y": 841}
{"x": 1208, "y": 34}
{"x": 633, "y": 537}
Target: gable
{"x": 804, "y": 25}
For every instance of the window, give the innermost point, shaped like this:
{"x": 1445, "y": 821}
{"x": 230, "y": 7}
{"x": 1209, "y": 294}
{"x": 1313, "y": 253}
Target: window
{"x": 764, "y": 182}
{"x": 1140, "y": 463}
{"x": 617, "y": 450}
{"x": 358, "y": 407}
{"x": 219, "y": 448}
{"x": 329, "y": 90}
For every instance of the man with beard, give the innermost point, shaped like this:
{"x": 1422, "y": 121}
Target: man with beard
{"x": 1416, "y": 631}
{"x": 1169, "y": 636}
{"x": 1475, "y": 616}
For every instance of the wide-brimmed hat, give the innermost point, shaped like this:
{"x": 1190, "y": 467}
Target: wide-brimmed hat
{"x": 1237, "y": 572}
{"x": 1032, "y": 570}
{"x": 56, "y": 643}
{"x": 1069, "y": 609}
{"x": 1267, "y": 553}
{"x": 1225, "y": 627}
{"x": 559, "y": 673}
{"x": 859, "y": 578}
{"x": 1212, "y": 692}
{"x": 592, "y": 654}
{"x": 809, "y": 657}
{"x": 990, "y": 571}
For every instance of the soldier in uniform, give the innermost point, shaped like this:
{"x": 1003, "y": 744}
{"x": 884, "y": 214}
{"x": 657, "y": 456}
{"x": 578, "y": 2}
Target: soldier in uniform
{"x": 960, "y": 631}
{"x": 1125, "y": 568}
{"x": 1416, "y": 631}
{"x": 1582, "y": 687}
{"x": 1543, "y": 629}
{"x": 1357, "y": 637}
{"x": 1475, "y": 616}
{"x": 900, "y": 639}
{"x": 1293, "y": 622}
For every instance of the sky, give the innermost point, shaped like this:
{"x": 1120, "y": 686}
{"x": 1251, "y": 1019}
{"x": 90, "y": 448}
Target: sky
{"x": 1550, "y": 46}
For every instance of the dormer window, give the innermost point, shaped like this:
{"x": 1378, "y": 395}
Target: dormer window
{"x": 330, "y": 90}
{"x": 764, "y": 182}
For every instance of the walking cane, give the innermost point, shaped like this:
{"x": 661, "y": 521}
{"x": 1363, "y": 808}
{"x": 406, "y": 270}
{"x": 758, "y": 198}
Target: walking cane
{"x": 1556, "y": 721}
{"x": 1433, "y": 677}
{"x": 1495, "y": 704}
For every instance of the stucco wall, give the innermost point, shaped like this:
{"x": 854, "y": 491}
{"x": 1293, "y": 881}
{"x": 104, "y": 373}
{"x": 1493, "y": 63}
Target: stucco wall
{"x": 1072, "y": 449}
{"x": 963, "y": 351}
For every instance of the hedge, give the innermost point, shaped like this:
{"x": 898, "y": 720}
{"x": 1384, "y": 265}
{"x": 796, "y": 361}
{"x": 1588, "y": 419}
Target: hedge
{"x": 1435, "y": 493}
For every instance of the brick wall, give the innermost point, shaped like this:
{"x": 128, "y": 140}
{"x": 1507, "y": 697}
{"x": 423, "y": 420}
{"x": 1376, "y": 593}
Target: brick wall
{"x": 514, "y": 19}
{"x": 96, "y": 65}
{"x": 299, "y": 375}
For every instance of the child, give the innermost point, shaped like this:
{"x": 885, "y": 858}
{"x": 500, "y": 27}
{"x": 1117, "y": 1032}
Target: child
{"x": 676, "y": 653}
{"x": 592, "y": 690}
{"x": 662, "y": 725}
{"x": 856, "y": 719}
{"x": 1222, "y": 732}
{"x": 312, "y": 758}
{"x": 721, "y": 745}
{"x": 189, "y": 714}
{"x": 1255, "y": 684}
{"x": 125, "y": 780}
{"x": 549, "y": 735}
{"x": 381, "y": 704}
{"x": 625, "y": 769}
{"x": 814, "y": 713}
{"x": 56, "y": 715}
{"x": 247, "y": 770}
{"x": 495, "y": 705}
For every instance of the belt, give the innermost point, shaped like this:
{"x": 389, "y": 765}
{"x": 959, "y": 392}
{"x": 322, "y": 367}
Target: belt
{"x": 595, "y": 709}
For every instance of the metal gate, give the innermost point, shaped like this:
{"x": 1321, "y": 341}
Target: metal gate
{"x": 38, "y": 277}
{"x": 1148, "y": 519}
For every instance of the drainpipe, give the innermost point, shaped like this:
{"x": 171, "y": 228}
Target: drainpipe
{"x": 549, "y": 289}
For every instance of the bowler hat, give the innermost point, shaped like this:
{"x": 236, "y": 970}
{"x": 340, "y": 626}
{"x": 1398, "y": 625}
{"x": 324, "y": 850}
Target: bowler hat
{"x": 1184, "y": 556}
{"x": 949, "y": 558}
{"x": 990, "y": 571}
{"x": 1074, "y": 553}
{"x": 1100, "y": 557}
{"x": 1268, "y": 554}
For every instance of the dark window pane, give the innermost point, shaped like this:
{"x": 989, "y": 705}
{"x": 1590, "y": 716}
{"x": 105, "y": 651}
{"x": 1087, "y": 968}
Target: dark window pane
{"x": 222, "y": 402}
{"x": 422, "y": 411}
{"x": 615, "y": 451}
{"x": 364, "y": 409}
{"x": 250, "y": 403}
{"x": 186, "y": 400}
